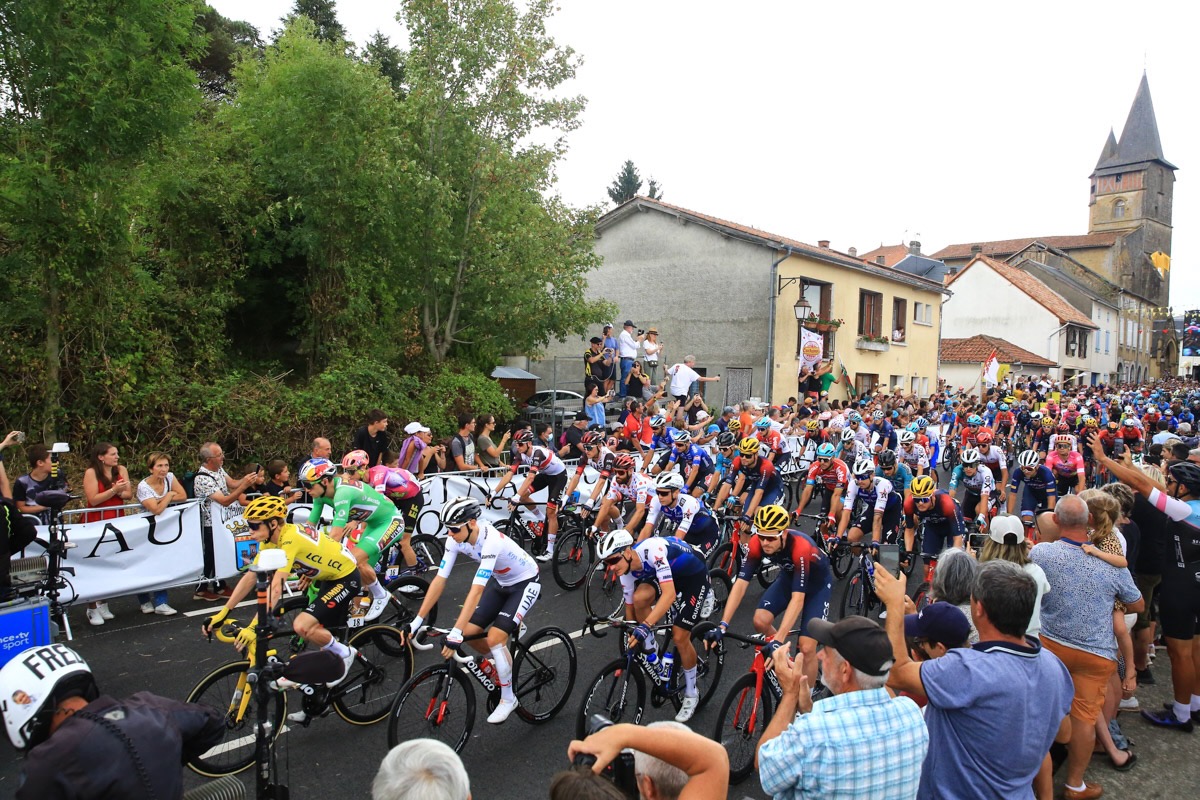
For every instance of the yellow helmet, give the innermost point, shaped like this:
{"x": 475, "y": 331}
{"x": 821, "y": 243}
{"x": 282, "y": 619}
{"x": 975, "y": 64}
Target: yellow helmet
{"x": 771, "y": 519}
{"x": 735, "y": 424}
{"x": 813, "y": 425}
{"x": 266, "y": 507}
{"x": 922, "y": 486}
{"x": 1047, "y": 422}
{"x": 749, "y": 446}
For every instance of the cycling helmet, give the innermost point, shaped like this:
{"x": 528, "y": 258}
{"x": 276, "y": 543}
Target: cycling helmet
{"x": 922, "y": 423}
{"x": 855, "y": 416}
{"x": 624, "y": 462}
{"x": 460, "y": 511}
{"x": 1029, "y": 458}
{"x": 1047, "y": 422}
{"x": 355, "y": 460}
{"x": 974, "y": 420}
{"x": 770, "y": 519}
{"x": 735, "y": 425}
{"x": 1063, "y": 428}
{"x": 912, "y": 426}
{"x": 1186, "y": 473}
{"x": 1036, "y": 415}
{"x": 825, "y": 451}
{"x": 836, "y": 424}
{"x": 672, "y": 480}
{"x": 682, "y": 437}
{"x": 887, "y": 459}
{"x": 1004, "y": 406}
{"x": 864, "y": 468}
{"x": 825, "y": 416}
{"x": 540, "y": 457}
{"x": 991, "y": 406}
{"x": 1130, "y": 423}
{"x": 591, "y": 439}
{"x": 878, "y": 415}
{"x": 1010, "y": 399}
{"x": 316, "y": 469}
{"x": 984, "y": 437}
{"x": 907, "y": 437}
{"x": 748, "y": 446}
{"x": 1061, "y": 440}
{"x": 762, "y": 423}
{"x": 1091, "y": 422}
{"x": 847, "y": 436}
{"x": 812, "y": 426}
{"x": 969, "y": 457}
{"x": 726, "y": 439}
{"x": 922, "y": 486}
{"x": 523, "y": 437}
{"x": 266, "y": 507}
{"x": 34, "y": 683}
{"x": 659, "y": 421}
{"x": 1072, "y": 406}
{"x": 614, "y": 542}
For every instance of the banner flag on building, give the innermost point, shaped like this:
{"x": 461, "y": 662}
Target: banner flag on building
{"x": 812, "y": 345}
{"x": 991, "y": 370}
{"x": 847, "y": 379}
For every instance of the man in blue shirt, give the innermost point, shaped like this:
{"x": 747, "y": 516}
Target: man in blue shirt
{"x": 995, "y": 708}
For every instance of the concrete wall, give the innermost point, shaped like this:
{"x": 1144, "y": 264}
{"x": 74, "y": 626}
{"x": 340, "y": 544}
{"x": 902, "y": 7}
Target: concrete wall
{"x": 984, "y": 302}
{"x": 1104, "y": 363}
{"x": 707, "y": 294}
{"x": 961, "y": 375}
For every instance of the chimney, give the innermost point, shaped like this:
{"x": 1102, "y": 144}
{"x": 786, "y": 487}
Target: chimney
{"x": 952, "y": 271}
{"x": 881, "y": 260}
{"x": 914, "y": 248}
{"x": 823, "y": 244}
{"x": 853, "y": 251}
{"x": 976, "y": 250}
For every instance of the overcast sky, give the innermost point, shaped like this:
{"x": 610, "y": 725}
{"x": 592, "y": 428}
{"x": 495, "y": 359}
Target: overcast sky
{"x": 865, "y": 122}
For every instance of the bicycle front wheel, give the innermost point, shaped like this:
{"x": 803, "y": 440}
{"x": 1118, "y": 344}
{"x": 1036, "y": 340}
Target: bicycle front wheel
{"x": 618, "y": 693}
{"x": 407, "y": 594}
{"x": 709, "y": 666}
{"x": 603, "y": 596}
{"x": 227, "y": 690}
{"x": 436, "y": 703}
{"x": 768, "y": 570}
{"x": 544, "y": 674}
{"x": 428, "y": 548}
{"x": 383, "y": 665}
{"x": 854, "y": 599}
{"x": 840, "y": 560}
{"x": 741, "y": 722}
{"x": 572, "y": 559}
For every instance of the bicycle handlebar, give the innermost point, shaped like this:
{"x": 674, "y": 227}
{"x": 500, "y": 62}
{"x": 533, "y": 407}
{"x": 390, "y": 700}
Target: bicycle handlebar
{"x": 420, "y": 641}
{"x": 756, "y": 639}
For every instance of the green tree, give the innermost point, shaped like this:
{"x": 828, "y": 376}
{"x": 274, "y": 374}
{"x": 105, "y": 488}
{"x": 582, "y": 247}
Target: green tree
{"x": 323, "y": 15}
{"x": 496, "y": 266}
{"x": 628, "y": 184}
{"x": 227, "y": 40}
{"x": 387, "y": 58}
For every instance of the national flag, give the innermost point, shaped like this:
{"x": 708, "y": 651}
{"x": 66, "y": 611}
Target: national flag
{"x": 846, "y": 377}
{"x": 991, "y": 369}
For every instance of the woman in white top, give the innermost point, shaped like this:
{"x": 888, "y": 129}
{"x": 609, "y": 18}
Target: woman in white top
{"x": 1006, "y": 540}
{"x": 155, "y": 493}
{"x": 652, "y": 348}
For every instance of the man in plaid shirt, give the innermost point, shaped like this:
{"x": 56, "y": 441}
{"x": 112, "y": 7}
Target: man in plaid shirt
{"x": 862, "y": 742}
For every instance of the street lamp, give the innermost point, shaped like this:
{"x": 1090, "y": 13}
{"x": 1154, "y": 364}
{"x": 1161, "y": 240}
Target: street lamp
{"x": 802, "y": 307}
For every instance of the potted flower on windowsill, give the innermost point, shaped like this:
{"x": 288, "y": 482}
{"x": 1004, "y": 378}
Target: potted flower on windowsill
{"x": 815, "y": 323}
{"x": 876, "y": 343}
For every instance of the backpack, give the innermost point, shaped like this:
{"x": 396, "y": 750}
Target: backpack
{"x": 188, "y": 482}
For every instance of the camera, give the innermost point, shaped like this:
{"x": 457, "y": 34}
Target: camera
{"x": 55, "y": 451}
{"x": 641, "y": 331}
{"x": 620, "y": 771}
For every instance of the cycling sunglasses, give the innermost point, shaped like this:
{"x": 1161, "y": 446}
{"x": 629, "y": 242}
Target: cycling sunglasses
{"x": 612, "y": 561}
{"x": 922, "y": 499}
{"x": 768, "y": 534}
{"x": 254, "y": 525}
{"x": 663, "y": 492}
{"x": 824, "y": 459}
{"x": 453, "y": 529}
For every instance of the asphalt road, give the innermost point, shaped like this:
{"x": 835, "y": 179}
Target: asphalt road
{"x": 331, "y": 758}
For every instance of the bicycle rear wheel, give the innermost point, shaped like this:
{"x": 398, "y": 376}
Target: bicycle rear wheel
{"x": 407, "y": 593}
{"x": 383, "y": 665}
{"x": 721, "y": 584}
{"x": 572, "y": 560}
{"x": 617, "y": 693}
{"x": 544, "y": 674}
{"x": 225, "y": 689}
{"x": 603, "y": 596}
{"x": 436, "y": 703}
{"x": 741, "y": 722}
{"x": 724, "y": 559}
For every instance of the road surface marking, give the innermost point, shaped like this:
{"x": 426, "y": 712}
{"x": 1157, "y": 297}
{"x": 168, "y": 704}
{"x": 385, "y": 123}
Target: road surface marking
{"x": 208, "y": 612}
{"x": 225, "y": 747}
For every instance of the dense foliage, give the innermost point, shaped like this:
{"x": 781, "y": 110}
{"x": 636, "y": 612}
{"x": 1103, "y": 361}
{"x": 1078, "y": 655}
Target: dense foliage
{"x": 206, "y": 236}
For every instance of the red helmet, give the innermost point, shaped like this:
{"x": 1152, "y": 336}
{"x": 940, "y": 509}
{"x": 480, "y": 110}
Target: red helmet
{"x": 591, "y": 439}
{"x": 984, "y": 437}
{"x": 1064, "y": 427}
{"x": 623, "y": 462}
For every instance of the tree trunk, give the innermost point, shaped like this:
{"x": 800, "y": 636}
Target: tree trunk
{"x": 53, "y": 389}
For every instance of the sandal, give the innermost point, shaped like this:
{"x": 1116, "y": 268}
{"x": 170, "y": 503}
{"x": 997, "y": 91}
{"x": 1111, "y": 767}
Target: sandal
{"x": 1129, "y": 761}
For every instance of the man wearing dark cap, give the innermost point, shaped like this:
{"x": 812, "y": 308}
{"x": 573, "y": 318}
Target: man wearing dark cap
{"x": 572, "y": 435}
{"x": 862, "y": 742}
{"x": 627, "y": 348}
{"x": 936, "y": 629}
{"x": 594, "y": 370}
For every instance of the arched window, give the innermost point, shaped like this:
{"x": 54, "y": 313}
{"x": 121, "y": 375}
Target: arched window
{"x": 1119, "y": 209}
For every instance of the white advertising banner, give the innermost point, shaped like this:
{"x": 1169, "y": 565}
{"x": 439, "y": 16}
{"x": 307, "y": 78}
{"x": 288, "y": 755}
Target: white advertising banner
{"x": 811, "y": 346}
{"x": 138, "y": 553}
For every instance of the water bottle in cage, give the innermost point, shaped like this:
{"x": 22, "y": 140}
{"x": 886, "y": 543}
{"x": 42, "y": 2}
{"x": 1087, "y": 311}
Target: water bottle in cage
{"x": 668, "y": 661}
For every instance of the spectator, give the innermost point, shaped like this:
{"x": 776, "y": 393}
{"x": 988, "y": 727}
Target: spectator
{"x": 580, "y": 783}
{"x": 17, "y": 531}
{"x": 726, "y": 414}
{"x": 417, "y": 450}
{"x": 627, "y": 347}
{"x": 26, "y": 487}
{"x": 487, "y": 452}
{"x": 572, "y": 435}
{"x": 636, "y": 383}
{"x": 610, "y": 359}
{"x": 980, "y": 696}
{"x": 13, "y": 437}
{"x": 953, "y": 579}
{"x": 704, "y": 762}
{"x": 544, "y": 432}
{"x": 637, "y": 428}
{"x": 651, "y": 347}
{"x": 278, "y": 482}
{"x": 657, "y": 779}
{"x": 157, "y": 491}
{"x": 105, "y": 485}
{"x": 462, "y": 446}
{"x": 321, "y": 448}
{"x": 421, "y": 769}
{"x": 372, "y": 437}
{"x": 594, "y": 403}
{"x": 683, "y": 376}
{"x": 862, "y": 741}
{"x": 254, "y": 488}
{"x": 936, "y": 630}
{"x": 212, "y": 485}
{"x": 1006, "y": 542}
{"x": 1077, "y": 627}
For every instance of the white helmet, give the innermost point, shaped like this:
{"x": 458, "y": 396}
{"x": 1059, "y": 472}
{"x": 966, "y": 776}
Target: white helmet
{"x": 847, "y": 436}
{"x": 669, "y": 480}
{"x": 1028, "y": 459}
{"x": 969, "y": 456}
{"x": 32, "y": 685}
{"x": 907, "y": 437}
{"x": 1036, "y": 416}
{"x": 864, "y": 467}
{"x": 614, "y": 542}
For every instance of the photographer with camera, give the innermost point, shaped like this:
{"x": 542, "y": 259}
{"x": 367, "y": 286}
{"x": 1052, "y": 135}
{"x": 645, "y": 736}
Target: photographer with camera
{"x": 668, "y": 762}
{"x": 627, "y": 349}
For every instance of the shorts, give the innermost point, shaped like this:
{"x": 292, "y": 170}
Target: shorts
{"x": 689, "y": 599}
{"x": 331, "y": 599}
{"x": 816, "y": 600}
{"x": 410, "y": 509}
{"x": 1066, "y": 484}
{"x": 970, "y": 504}
{"x": 553, "y": 483}
{"x": 703, "y": 535}
{"x": 1090, "y": 674}
{"x": 936, "y": 539}
{"x": 864, "y": 519}
{"x": 1031, "y": 502}
{"x": 702, "y": 475}
{"x": 1178, "y": 606}
{"x": 505, "y": 606}
{"x": 1146, "y": 584}
{"x": 377, "y": 538}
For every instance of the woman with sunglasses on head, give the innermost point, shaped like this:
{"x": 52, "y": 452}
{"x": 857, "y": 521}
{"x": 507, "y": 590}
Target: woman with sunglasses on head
{"x": 504, "y": 589}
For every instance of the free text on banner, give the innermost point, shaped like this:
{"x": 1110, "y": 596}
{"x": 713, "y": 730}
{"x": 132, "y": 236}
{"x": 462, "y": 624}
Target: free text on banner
{"x": 138, "y": 553}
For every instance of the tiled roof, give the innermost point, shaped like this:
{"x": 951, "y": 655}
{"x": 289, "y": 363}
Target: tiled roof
{"x": 1051, "y": 300}
{"x": 979, "y": 347}
{"x": 1006, "y": 247}
{"x": 892, "y": 254}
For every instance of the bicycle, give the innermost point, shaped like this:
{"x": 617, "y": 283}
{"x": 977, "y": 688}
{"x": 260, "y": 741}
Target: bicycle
{"x": 949, "y": 455}
{"x": 609, "y": 693}
{"x": 531, "y": 535}
{"x": 439, "y": 703}
{"x": 747, "y": 709}
{"x": 604, "y": 598}
{"x": 859, "y": 598}
{"x": 574, "y": 550}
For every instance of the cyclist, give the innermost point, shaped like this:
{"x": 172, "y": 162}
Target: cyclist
{"x": 1067, "y": 466}
{"x": 854, "y": 422}
{"x": 627, "y": 486}
{"x": 327, "y": 562}
{"x": 1041, "y": 437}
{"x": 404, "y": 490}
{"x": 850, "y": 448}
{"x": 912, "y": 454}
{"x": 597, "y": 456}
{"x": 978, "y": 486}
{"x": 992, "y": 457}
{"x": 752, "y": 478}
{"x": 726, "y": 451}
{"x": 354, "y": 465}
{"x": 689, "y": 516}
{"x": 682, "y": 579}
{"x": 694, "y": 459}
{"x": 896, "y": 471}
{"x": 970, "y": 432}
{"x": 801, "y": 591}
{"x": 504, "y": 589}
{"x": 768, "y": 436}
{"x": 1006, "y": 422}
{"x": 1039, "y": 492}
{"x": 354, "y": 503}
{"x": 870, "y": 504}
{"x": 880, "y": 434}
{"x": 942, "y": 517}
{"x": 1089, "y": 431}
{"x": 546, "y": 471}
{"x": 833, "y": 476}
